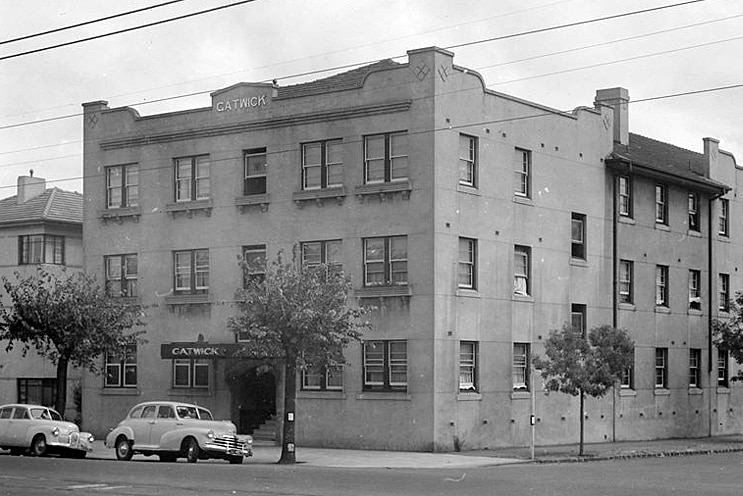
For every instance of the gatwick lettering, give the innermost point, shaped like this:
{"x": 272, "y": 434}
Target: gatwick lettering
{"x": 241, "y": 103}
{"x": 195, "y": 352}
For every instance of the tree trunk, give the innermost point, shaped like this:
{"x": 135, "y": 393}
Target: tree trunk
{"x": 582, "y": 421}
{"x": 60, "y": 402}
{"x": 288, "y": 448}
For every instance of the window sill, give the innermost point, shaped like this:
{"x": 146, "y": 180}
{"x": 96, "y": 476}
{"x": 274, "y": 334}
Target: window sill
{"x": 260, "y": 200}
{"x": 660, "y": 309}
{"x": 189, "y": 207}
{"x": 309, "y": 394}
{"x": 524, "y": 298}
{"x": 120, "y": 391}
{"x": 468, "y": 293}
{"x": 469, "y": 396}
{"x": 662, "y": 227}
{"x": 125, "y": 300}
{"x": 625, "y": 219}
{"x": 723, "y": 238}
{"x": 630, "y": 307}
{"x": 402, "y": 187}
{"x": 661, "y": 392}
{"x": 189, "y": 392}
{"x": 723, "y": 390}
{"x": 120, "y": 214}
{"x": 695, "y": 234}
{"x": 301, "y": 198}
{"x": 523, "y": 200}
{"x": 627, "y": 392}
{"x": 695, "y": 391}
{"x": 578, "y": 262}
{"x": 723, "y": 313}
{"x": 188, "y": 299}
{"x": 467, "y": 189}
{"x": 382, "y": 291}
{"x": 520, "y": 395}
{"x": 379, "y": 395}
{"x": 695, "y": 312}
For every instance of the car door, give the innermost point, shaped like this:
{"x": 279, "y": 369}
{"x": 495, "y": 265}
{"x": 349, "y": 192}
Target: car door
{"x": 6, "y": 414}
{"x": 164, "y": 422}
{"x": 141, "y": 426}
{"x": 19, "y": 426}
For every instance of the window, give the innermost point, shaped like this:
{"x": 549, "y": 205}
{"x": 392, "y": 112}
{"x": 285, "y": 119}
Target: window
{"x": 661, "y": 204}
{"x": 322, "y": 378}
{"x": 661, "y": 285}
{"x": 695, "y": 367}
{"x": 386, "y": 261}
{"x": 121, "y": 276}
{"x": 723, "y": 293}
{"x": 255, "y": 264}
{"x": 41, "y": 249}
{"x": 520, "y": 366}
{"x": 521, "y": 272}
{"x": 37, "y": 391}
{"x": 523, "y": 173}
{"x": 578, "y": 317}
{"x": 625, "y": 196}
{"x": 628, "y": 377}
{"x": 192, "y": 178}
{"x": 467, "y": 160}
{"x": 385, "y": 157}
{"x": 467, "y": 366}
{"x": 121, "y": 368}
{"x": 695, "y": 295}
{"x": 385, "y": 365}
{"x": 467, "y": 273}
{"x": 122, "y": 186}
{"x": 189, "y": 373}
{"x": 315, "y": 253}
{"x": 722, "y": 368}
{"x": 693, "y": 211}
{"x": 255, "y": 163}
{"x": 578, "y": 236}
{"x": 322, "y": 164}
{"x": 191, "y": 271}
{"x": 724, "y": 222}
{"x": 626, "y": 269}
{"x": 661, "y": 368}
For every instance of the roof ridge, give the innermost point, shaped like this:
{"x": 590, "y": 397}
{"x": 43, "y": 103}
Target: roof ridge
{"x": 49, "y": 201}
{"x": 668, "y": 144}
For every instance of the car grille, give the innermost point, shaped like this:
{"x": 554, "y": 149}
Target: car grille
{"x": 228, "y": 442}
{"x": 74, "y": 437}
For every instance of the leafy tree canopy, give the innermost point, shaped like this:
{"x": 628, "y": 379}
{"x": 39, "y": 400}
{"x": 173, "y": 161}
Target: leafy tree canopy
{"x": 728, "y": 333}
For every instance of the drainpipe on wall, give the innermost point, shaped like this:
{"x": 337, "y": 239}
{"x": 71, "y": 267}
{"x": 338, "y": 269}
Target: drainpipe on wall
{"x": 710, "y": 282}
{"x": 614, "y": 299}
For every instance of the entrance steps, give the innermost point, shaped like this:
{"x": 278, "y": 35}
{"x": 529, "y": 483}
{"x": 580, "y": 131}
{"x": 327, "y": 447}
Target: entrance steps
{"x": 268, "y": 430}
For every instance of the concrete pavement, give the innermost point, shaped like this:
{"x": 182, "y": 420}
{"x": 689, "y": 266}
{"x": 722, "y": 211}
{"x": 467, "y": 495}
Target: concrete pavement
{"x": 267, "y": 453}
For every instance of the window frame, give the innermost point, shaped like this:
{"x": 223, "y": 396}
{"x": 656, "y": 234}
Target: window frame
{"x": 694, "y": 217}
{"x": 723, "y": 226}
{"x": 626, "y": 289}
{"x": 661, "y": 368}
{"x": 47, "y": 386}
{"x": 253, "y": 270}
{"x": 723, "y": 292}
{"x": 524, "y": 252}
{"x": 578, "y": 310}
{"x": 661, "y": 286}
{"x": 520, "y": 366}
{"x": 125, "y": 189}
{"x": 122, "y": 363}
{"x": 388, "y": 263}
{"x": 695, "y": 289}
{"x": 467, "y": 267}
{"x": 624, "y": 193}
{"x": 196, "y": 181}
{"x": 124, "y": 277}
{"x": 468, "y": 158}
{"x": 661, "y": 204}
{"x": 523, "y": 173}
{"x": 627, "y": 381}
{"x": 723, "y": 369}
{"x": 255, "y": 184}
{"x": 325, "y": 164}
{"x": 388, "y": 366}
{"x": 578, "y": 247}
{"x": 325, "y": 374}
{"x": 192, "y": 366}
{"x": 27, "y": 242}
{"x": 193, "y": 272}
{"x": 468, "y": 366}
{"x": 695, "y": 368}
{"x": 389, "y": 157}
{"x": 324, "y": 250}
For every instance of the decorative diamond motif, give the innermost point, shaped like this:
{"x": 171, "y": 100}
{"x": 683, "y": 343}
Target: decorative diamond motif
{"x": 421, "y": 71}
{"x": 92, "y": 120}
{"x": 443, "y": 72}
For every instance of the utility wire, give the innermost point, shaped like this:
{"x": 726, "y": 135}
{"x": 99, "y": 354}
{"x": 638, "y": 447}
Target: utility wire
{"x": 86, "y": 23}
{"x": 133, "y": 28}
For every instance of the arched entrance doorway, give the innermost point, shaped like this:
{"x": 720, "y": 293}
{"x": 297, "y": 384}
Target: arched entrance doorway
{"x": 253, "y": 389}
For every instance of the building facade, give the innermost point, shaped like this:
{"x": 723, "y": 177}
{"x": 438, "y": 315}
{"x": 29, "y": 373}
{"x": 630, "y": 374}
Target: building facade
{"x": 471, "y": 221}
{"x": 38, "y": 226}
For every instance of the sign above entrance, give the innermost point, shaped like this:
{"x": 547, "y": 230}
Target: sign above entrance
{"x": 200, "y": 349}
{"x": 243, "y": 97}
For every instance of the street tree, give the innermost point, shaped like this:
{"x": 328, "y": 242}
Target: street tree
{"x": 728, "y": 334}
{"x": 68, "y": 319}
{"x": 578, "y": 365}
{"x": 300, "y": 316}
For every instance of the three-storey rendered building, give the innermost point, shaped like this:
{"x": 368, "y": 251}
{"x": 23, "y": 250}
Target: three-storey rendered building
{"x": 473, "y": 223}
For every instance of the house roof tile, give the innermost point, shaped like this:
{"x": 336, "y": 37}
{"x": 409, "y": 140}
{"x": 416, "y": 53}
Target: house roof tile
{"x": 55, "y": 205}
{"x": 348, "y": 80}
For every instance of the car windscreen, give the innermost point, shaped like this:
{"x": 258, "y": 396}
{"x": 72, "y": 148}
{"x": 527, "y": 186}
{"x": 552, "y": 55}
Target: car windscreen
{"x": 205, "y": 414}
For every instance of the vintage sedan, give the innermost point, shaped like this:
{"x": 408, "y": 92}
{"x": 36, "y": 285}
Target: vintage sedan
{"x": 41, "y": 430}
{"x": 175, "y": 430}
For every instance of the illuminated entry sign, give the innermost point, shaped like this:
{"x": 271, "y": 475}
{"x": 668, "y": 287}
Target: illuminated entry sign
{"x": 170, "y": 351}
{"x": 242, "y": 103}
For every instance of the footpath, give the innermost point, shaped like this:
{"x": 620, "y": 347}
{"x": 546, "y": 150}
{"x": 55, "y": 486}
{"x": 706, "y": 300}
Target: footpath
{"x": 268, "y": 453}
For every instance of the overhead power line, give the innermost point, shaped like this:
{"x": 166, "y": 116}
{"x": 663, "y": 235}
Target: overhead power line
{"x": 133, "y": 28}
{"x": 86, "y": 23}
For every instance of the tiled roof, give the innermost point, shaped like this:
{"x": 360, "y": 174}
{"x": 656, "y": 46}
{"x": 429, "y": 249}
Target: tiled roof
{"x": 344, "y": 81}
{"x": 54, "y": 204}
{"x": 665, "y": 158}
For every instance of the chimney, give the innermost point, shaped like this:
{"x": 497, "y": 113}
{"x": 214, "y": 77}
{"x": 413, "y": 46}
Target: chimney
{"x": 618, "y": 99}
{"x": 30, "y": 187}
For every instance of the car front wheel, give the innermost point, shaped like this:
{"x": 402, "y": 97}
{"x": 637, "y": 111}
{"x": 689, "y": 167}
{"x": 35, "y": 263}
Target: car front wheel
{"x": 123, "y": 449}
{"x": 192, "y": 450}
{"x": 39, "y": 446}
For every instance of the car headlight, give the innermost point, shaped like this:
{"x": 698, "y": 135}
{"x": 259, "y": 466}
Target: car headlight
{"x": 210, "y": 434}
{"x": 249, "y": 439}
{"x": 91, "y": 438}
{"x": 55, "y": 431}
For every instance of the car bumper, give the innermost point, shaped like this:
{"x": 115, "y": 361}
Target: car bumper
{"x": 76, "y": 441}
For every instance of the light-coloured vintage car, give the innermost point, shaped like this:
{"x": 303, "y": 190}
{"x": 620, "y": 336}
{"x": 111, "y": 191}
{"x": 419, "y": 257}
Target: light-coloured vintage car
{"x": 174, "y": 430}
{"x": 41, "y": 430}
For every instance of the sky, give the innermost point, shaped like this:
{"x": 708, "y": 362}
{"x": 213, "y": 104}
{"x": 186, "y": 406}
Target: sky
{"x": 682, "y": 49}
